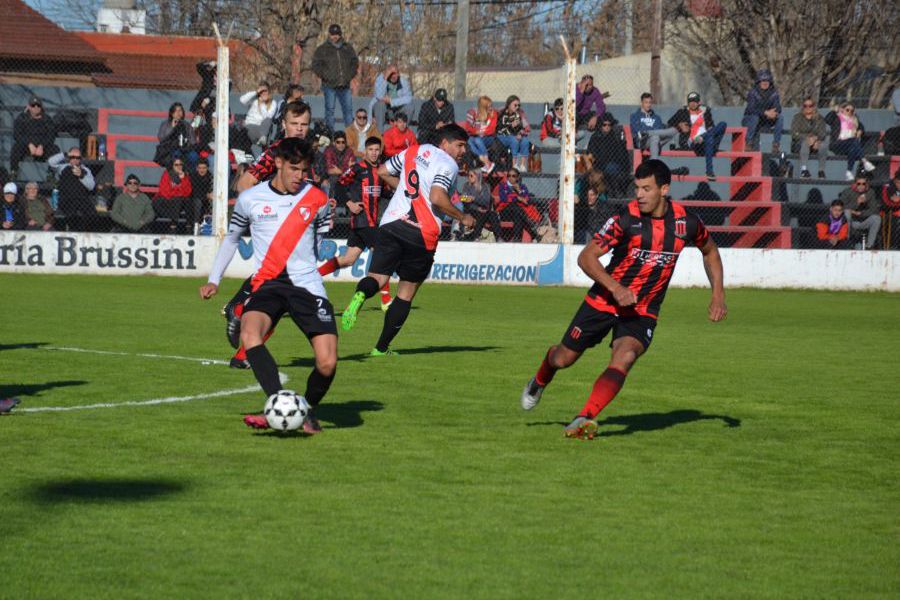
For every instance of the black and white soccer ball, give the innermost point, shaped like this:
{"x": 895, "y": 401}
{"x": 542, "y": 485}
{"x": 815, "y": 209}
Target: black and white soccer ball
{"x": 286, "y": 410}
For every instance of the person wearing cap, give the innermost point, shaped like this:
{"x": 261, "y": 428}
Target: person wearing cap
{"x": 434, "y": 114}
{"x": 338, "y": 157}
{"x": 11, "y": 214}
{"x": 393, "y": 90}
{"x": 335, "y": 63}
{"x": 698, "y": 130}
{"x": 763, "y": 111}
{"x": 38, "y": 212}
{"x": 132, "y": 210}
{"x": 75, "y": 183}
{"x": 610, "y": 155}
{"x": 398, "y": 137}
{"x": 33, "y": 135}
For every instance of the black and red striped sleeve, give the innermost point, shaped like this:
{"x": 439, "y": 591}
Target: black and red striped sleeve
{"x": 611, "y": 234}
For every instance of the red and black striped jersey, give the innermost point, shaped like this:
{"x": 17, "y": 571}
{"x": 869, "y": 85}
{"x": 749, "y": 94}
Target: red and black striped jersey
{"x": 644, "y": 252}
{"x": 363, "y": 184}
{"x": 264, "y": 167}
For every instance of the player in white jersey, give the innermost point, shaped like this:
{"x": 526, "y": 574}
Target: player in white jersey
{"x": 281, "y": 214}
{"x": 408, "y": 235}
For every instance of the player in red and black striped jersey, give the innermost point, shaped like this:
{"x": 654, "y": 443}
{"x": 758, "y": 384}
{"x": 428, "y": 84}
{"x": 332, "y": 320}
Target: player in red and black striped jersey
{"x": 361, "y": 185}
{"x": 645, "y": 239}
{"x": 297, "y": 116}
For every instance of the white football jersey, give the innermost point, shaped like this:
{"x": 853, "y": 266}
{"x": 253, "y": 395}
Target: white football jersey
{"x": 283, "y": 231}
{"x": 419, "y": 168}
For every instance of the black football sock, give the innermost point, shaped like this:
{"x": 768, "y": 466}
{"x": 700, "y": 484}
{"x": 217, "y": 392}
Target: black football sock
{"x": 393, "y": 321}
{"x": 264, "y": 368}
{"x": 317, "y": 386}
{"x": 368, "y": 286}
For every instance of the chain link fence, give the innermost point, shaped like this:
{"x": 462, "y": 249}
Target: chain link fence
{"x": 118, "y": 136}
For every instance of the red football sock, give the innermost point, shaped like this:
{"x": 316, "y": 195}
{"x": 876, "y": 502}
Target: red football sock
{"x": 241, "y": 354}
{"x": 546, "y": 372}
{"x": 386, "y": 292}
{"x": 605, "y": 389}
{"x": 328, "y": 267}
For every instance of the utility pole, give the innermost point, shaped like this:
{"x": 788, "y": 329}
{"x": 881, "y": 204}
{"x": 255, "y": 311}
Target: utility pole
{"x": 656, "y": 51}
{"x": 628, "y": 9}
{"x": 462, "y": 49}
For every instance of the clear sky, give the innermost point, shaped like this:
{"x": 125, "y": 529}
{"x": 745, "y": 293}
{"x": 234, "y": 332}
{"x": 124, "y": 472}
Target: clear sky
{"x": 69, "y": 14}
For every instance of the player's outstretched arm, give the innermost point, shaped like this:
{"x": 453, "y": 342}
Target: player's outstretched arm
{"x": 441, "y": 199}
{"x": 388, "y": 177}
{"x": 712, "y": 263}
{"x": 589, "y": 262}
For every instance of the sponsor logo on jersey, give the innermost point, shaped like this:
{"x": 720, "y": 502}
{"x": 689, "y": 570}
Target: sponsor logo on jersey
{"x": 660, "y": 259}
{"x": 680, "y": 228}
{"x": 324, "y": 316}
{"x": 372, "y": 190}
{"x": 267, "y": 209}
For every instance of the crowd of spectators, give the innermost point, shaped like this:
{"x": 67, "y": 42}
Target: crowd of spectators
{"x": 491, "y": 187}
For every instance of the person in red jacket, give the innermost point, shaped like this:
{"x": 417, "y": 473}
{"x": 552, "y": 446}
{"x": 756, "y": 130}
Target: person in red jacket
{"x": 481, "y": 125}
{"x": 890, "y": 213}
{"x": 398, "y": 137}
{"x": 833, "y": 230}
{"x": 174, "y": 196}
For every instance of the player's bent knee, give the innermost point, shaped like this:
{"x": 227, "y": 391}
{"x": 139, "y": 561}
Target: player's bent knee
{"x": 326, "y": 365}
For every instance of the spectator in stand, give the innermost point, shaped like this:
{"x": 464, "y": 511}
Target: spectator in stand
{"x": 551, "y": 127}
{"x": 890, "y": 211}
{"x": 481, "y": 125}
{"x": 895, "y": 101}
{"x": 335, "y": 63}
{"x": 201, "y": 190}
{"x": 204, "y": 103}
{"x": 514, "y": 200}
{"x": 294, "y": 93}
{"x": 833, "y": 230}
{"x": 393, "y": 91}
{"x": 38, "y": 212}
{"x": 338, "y": 157}
{"x": 319, "y": 170}
{"x": 434, "y": 114}
{"x": 648, "y": 132}
{"x": 75, "y": 183}
{"x": 846, "y": 137}
{"x": 175, "y": 137}
{"x": 591, "y": 212}
{"x": 862, "y": 210}
{"x": 763, "y": 111}
{"x": 589, "y": 105}
{"x": 475, "y": 196}
{"x": 399, "y": 136}
{"x": 261, "y": 112}
{"x": 11, "y": 214}
{"x": 361, "y": 129}
{"x": 174, "y": 196}
{"x": 34, "y": 134}
{"x": 132, "y": 210}
{"x": 698, "y": 131}
{"x": 809, "y": 132}
{"x": 512, "y": 131}
{"x": 610, "y": 155}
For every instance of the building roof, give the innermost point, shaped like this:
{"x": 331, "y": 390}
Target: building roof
{"x": 26, "y": 34}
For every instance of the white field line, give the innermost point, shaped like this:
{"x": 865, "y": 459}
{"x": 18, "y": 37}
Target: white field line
{"x": 154, "y": 401}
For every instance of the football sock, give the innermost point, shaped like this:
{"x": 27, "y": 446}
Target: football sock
{"x": 264, "y": 368}
{"x": 386, "y": 292}
{"x": 328, "y": 267}
{"x": 317, "y": 386}
{"x": 546, "y": 371}
{"x": 368, "y": 286}
{"x": 605, "y": 389}
{"x": 239, "y": 309}
{"x": 241, "y": 354}
{"x": 393, "y": 321}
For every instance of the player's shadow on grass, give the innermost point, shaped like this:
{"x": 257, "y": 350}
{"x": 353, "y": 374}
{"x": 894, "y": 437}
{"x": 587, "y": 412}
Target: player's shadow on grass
{"x": 104, "y": 490}
{"x": 22, "y": 346}
{"x": 308, "y": 361}
{"x": 32, "y": 389}
{"x": 652, "y": 421}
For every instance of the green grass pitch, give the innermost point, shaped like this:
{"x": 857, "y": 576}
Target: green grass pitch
{"x": 755, "y": 458}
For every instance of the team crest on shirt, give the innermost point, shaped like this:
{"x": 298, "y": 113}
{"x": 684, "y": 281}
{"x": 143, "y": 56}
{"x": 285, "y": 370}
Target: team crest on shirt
{"x": 304, "y": 213}
{"x": 575, "y": 333}
{"x": 681, "y": 228}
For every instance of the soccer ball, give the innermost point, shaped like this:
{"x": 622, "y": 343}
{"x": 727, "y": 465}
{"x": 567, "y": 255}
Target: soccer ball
{"x": 286, "y": 410}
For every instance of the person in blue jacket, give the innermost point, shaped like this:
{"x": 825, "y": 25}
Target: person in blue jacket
{"x": 763, "y": 110}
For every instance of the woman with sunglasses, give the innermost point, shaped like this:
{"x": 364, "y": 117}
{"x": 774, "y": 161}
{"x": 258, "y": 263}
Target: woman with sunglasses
{"x": 261, "y": 112}
{"x": 846, "y": 137}
{"x": 512, "y": 131}
{"x": 174, "y": 196}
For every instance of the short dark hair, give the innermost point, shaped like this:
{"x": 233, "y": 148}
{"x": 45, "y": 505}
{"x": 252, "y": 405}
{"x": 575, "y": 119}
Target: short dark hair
{"x": 452, "y": 133}
{"x": 202, "y": 161}
{"x": 339, "y": 135}
{"x": 372, "y": 140}
{"x": 837, "y": 202}
{"x": 646, "y": 95}
{"x": 297, "y": 109}
{"x": 655, "y": 168}
{"x": 401, "y": 116}
{"x": 295, "y": 150}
